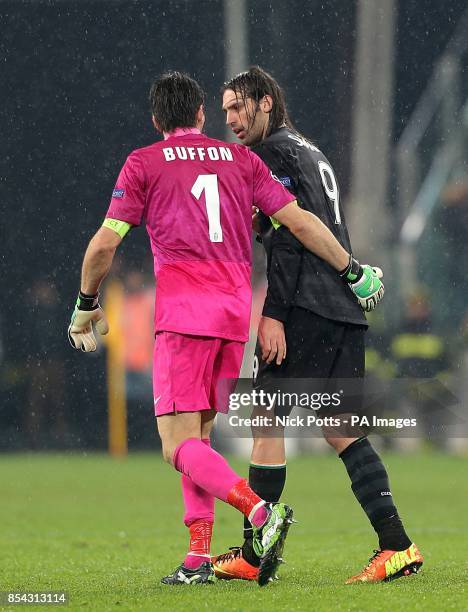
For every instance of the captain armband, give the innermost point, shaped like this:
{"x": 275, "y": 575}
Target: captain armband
{"x": 119, "y": 227}
{"x": 276, "y": 224}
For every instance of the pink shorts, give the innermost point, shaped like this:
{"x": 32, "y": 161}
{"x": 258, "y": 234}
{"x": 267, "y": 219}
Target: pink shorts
{"x": 192, "y": 373}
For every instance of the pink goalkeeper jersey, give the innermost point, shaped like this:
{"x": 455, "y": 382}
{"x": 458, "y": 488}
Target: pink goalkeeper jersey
{"x": 195, "y": 195}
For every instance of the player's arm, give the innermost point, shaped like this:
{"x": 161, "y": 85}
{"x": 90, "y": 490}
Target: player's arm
{"x": 126, "y": 209}
{"x": 100, "y": 254}
{"x": 96, "y": 265}
{"x": 364, "y": 281}
{"x": 313, "y": 234}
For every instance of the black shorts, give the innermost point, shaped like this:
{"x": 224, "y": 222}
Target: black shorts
{"x": 321, "y": 354}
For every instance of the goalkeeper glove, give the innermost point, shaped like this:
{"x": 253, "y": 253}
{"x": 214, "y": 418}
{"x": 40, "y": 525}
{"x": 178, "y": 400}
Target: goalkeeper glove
{"x": 80, "y": 331}
{"x": 365, "y": 283}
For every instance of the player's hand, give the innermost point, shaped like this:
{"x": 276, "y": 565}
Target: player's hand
{"x": 272, "y": 340}
{"x": 365, "y": 282}
{"x": 80, "y": 331}
{"x": 255, "y": 220}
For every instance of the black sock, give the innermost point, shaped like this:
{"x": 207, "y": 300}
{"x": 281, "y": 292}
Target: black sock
{"x": 370, "y": 485}
{"x": 268, "y": 483}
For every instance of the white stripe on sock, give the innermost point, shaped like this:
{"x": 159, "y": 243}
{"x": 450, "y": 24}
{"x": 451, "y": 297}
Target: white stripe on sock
{"x": 268, "y": 465}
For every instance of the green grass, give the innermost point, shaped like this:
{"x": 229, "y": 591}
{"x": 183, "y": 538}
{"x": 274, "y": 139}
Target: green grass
{"x": 106, "y": 531}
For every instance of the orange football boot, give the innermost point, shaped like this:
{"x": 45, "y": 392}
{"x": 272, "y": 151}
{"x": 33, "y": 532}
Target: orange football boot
{"x": 233, "y": 566}
{"x": 388, "y": 565}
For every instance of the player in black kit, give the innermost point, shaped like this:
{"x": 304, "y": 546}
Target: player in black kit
{"x": 312, "y": 325}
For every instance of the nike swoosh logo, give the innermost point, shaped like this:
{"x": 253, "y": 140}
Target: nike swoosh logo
{"x": 156, "y": 400}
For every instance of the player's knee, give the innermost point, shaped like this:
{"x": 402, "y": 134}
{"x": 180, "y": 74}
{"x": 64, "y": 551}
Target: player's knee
{"x": 268, "y": 450}
{"x": 335, "y": 443}
{"x": 339, "y": 444}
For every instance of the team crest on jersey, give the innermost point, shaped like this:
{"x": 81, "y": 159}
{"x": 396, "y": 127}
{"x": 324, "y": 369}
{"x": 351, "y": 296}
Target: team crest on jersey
{"x": 118, "y": 193}
{"x": 286, "y": 181}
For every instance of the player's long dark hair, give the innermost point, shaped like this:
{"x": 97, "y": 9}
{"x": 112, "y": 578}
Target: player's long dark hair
{"x": 256, "y": 83}
{"x": 175, "y": 99}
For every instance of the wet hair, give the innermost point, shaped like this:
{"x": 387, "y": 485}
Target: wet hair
{"x": 256, "y": 83}
{"x": 175, "y": 99}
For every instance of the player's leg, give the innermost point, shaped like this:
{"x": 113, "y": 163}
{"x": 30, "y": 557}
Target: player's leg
{"x": 210, "y": 471}
{"x": 226, "y": 372}
{"x": 207, "y": 469}
{"x": 182, "y": 447}
{"x": 178, "y": 385}
{"x": 199, "y": 512}
{"x": 198, "y": 518}
{"x": 199, "y": 507}
{"x": 267, "y": 472}
{"x": 267, "y": 477}
{"x": 397, "y": 555}
{"x": 267, "y": 480}
{"x": 369, "y": 479}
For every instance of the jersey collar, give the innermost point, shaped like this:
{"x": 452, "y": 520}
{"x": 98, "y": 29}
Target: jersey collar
{"x": 181, "y": 132}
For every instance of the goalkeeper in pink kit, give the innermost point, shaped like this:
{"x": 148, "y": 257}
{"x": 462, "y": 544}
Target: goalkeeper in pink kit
{"x": 195, "y": 196}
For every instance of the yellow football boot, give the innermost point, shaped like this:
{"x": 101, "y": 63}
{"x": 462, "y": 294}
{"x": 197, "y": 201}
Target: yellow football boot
{"x": 233, "y": 566}
{"x": 388, "y": 565}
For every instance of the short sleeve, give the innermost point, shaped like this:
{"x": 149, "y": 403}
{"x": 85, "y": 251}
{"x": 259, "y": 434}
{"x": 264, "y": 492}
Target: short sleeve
{"x": 129, "y": 197}
{"x": 269, "y": 193}
{"x": 281, "y": 162}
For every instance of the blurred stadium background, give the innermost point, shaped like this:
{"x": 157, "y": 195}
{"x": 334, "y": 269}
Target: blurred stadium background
{"x": 379, "y": 85}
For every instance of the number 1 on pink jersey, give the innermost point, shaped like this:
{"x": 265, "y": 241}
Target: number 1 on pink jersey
{"x": 209, "y": 184}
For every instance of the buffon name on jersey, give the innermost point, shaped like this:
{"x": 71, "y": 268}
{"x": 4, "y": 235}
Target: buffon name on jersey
{"x": 198, "y": 153}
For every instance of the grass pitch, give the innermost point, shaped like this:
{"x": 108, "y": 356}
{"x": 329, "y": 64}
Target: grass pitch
{"x": 105, "y": 531}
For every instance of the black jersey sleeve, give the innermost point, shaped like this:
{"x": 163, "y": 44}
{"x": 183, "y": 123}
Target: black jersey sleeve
{"x": 283, "y": 249}
{"x": 281, "y": 162}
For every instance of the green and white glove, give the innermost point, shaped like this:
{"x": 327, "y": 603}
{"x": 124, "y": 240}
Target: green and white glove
{"x": 80, "y": 331}
{"x": 365, "y": 283}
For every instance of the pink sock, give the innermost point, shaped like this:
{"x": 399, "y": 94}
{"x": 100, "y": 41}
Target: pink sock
{"x": 205, "y": 467}
{"x": 192, "y": 561}
{"x": 259, "y": 517}
{"x": 198, "y": 517}
{"x": 198, "y": 503}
